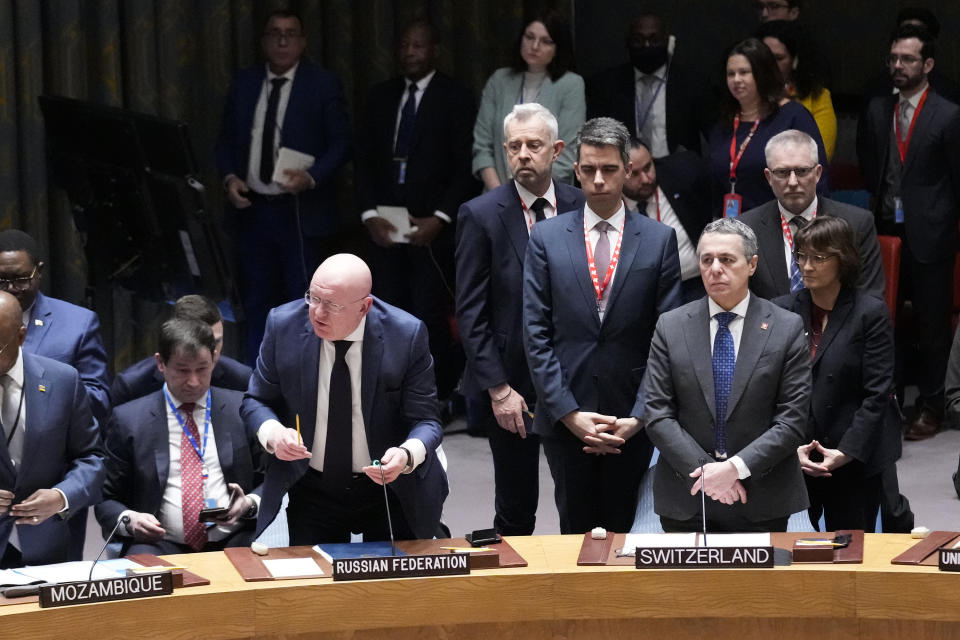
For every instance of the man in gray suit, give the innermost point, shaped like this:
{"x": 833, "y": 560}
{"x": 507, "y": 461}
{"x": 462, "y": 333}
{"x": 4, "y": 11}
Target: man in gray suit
{"x": 731, "y": 422}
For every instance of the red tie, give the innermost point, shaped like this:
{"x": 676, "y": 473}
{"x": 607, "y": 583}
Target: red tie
{"x": 191, "y": 483}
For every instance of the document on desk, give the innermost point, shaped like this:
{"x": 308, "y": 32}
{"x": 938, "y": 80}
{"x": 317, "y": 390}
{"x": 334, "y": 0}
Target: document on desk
{"x": 737, "y": 540}
{"x": 400, "y": 218}
{"x": 78, "y": 571}
{"x": 293, "y": 568}
{"x": 654, "y": 540}
{"x": 289, "y": 159}
{"x": 12, "y": 578}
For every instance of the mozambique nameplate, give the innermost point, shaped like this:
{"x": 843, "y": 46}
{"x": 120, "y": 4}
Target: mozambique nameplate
{"x": 445, "y": 564}
{"x": 122, "y": 588}
{"x": 704, "y": 557}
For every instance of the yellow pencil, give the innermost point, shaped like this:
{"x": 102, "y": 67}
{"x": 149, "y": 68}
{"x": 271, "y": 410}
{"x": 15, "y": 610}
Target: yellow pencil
{"x": 299, "y": 437}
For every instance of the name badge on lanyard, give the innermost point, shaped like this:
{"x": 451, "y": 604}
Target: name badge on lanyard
{"x": 733, "y": 202}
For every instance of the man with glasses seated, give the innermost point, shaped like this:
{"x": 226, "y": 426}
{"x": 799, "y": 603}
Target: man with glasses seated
{"x": 287, "y": 225}
{"x": 55, "y": 328}
{"x": 793, "y": 172}
{"x": 342, "y": 379}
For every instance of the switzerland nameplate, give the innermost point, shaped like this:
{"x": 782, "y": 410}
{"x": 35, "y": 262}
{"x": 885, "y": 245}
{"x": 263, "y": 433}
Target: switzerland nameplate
{"x": 704, "y": 557}
{"x": 123, "y": 588}
{"x": 445, "y": 564}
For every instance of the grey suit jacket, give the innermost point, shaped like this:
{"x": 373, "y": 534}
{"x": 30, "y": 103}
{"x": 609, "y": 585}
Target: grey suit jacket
{"x": 766, "y": 415}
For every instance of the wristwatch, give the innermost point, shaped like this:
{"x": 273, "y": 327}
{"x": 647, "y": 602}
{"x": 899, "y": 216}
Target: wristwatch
{"x": 251, "y": 511}
{"x": 409, "y": 466}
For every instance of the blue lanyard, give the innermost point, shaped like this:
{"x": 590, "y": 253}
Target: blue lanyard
{"x": 183, "y": 425}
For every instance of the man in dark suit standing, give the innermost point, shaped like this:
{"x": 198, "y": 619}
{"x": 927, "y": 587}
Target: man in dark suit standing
{"x": 144, "y": 377}
{"x": 739, "y": 414}
{"x": 910, "y": 154}
{"x": 673, "y": 190}
{"x": 51, "y": 463}
{"x": 656, "y": 95}
{"x": 179, "y": 450}
{"x": 413, "y": 151}
{"x": 793, "y": 174}
{"x": 492, "y": 234}
{"x": 594, "y": 283}
{"x": 356, "y": 375}
{"x": 284, "y": 225}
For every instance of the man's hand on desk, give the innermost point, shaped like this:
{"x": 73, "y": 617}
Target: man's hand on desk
{"x": 722, "y": 482}
{"x": 392, "y": 463}
{"x": 145, "y": 527}
{"x": 42, "y": 504}
{"x": 380, "y": 230}
{"x": 297, "y": 180}
{"x": 236, "y": 188}
{"x": 287, "y": 446}
{"x": 610, "y": 437}
{"x": 509, "y": 410}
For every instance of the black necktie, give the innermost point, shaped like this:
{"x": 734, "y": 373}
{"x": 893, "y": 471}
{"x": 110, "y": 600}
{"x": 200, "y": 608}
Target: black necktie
{"x": 338, "y": 456}
{"x": 269, "y": 127}
{"x": 407, "y": 118}
{"x": 537, "y": 208}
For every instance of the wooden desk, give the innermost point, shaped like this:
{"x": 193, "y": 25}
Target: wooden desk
{"x": 551, "y": 598}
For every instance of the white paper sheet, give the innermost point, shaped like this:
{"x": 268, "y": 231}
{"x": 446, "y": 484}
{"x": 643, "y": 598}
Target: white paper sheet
{"x": 633, "y": 540}
{"x": 737, "y": 540}
{"x": 78, "y": 571}
{"x": 293, "y": 567}
{"x": 290, "y": 159}
{"x": 400, "y": 218}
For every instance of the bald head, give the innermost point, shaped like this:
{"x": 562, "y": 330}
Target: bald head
{"x": 339, "y": 296}
{"x": 12, "y": 331}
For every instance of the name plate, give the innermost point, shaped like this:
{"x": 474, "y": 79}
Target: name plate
{"x": 704, "y": 557}
{"x": 444, "y": 564}
{"x": 122, "y": 588}
{"x": 949, "y": 559}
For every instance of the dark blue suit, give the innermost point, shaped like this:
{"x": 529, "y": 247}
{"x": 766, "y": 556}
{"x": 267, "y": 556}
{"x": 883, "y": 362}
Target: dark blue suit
{"x": 61, "y": 450}
{"x": 71, "y": 334}
{"x": 491, "y": 245}
{"x": 578, "y": 362}
{"x": 398, "y": 398}
{"x": 138, "y": 456}
{"x": 143, "y": 377}
{"x": 271, "y": 230}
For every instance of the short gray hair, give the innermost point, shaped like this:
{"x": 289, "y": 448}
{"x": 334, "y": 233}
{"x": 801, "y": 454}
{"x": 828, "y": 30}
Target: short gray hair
{"x": 523, "y": 112}
{"x": 734, "y": 226}
{"x": 792, "y": 137}
{"x": 605, "y": 132}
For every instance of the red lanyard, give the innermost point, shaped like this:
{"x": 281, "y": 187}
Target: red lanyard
{"x": 599, "y": 288}
{"x": 734, "y": 155}
{"x": 786, "y": 228}
{"x": 903, "y": 145}
{"x": 531, "y": 218}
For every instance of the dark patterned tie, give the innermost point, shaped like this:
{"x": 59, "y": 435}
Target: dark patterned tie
{"x": 724, "y": 360}
{"x": 407, "y": 119}
{"x": 338, "y": 455}
{"x": 537, "y": 208}
{"x": 796, "y": 278}
{"x": 191, "y": 479}
{"x": 601, "y": 257}
{"x": 269, "y": 129}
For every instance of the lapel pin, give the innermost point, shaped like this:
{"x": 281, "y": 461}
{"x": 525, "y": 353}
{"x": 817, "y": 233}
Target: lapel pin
{"x": 41, "y": 388}
{"x": 38, "y": 322}
{"x": 676, "y": 196}
{"x": 763, "y": 326}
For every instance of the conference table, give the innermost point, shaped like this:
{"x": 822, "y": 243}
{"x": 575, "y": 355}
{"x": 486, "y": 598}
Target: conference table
{"x": 552, "y": 597}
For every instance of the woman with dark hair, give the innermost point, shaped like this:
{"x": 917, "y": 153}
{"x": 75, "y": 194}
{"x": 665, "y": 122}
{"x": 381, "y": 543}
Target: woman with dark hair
{"x": 853, "y": 423}
{"x": 753, "y": 110}
{"x": 803, "y": 76}
{"x": 542, "y": 72}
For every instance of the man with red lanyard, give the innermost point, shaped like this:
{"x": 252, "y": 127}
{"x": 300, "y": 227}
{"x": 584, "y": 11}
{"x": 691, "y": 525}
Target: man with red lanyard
{"x": 673, "y": 190}
{"x": 909, "y": 148}
{"x": 595, "y": 281}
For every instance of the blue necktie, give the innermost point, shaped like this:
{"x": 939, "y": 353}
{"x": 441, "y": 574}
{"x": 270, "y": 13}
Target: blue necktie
{"x": 407, "y": 118}
{"x": 724, "y": 360}
{"x": 796, "y": 278}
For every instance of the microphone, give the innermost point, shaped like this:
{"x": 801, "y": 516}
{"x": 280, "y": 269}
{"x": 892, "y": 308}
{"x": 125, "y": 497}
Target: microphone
{"x": 386, "y": 503}
{"x": 703, "y": 499}
{"x": 125, "y": 519}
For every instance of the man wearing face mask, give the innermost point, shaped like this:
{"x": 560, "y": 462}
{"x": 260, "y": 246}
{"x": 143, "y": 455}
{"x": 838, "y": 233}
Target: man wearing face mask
{"x": 655, "y": 94}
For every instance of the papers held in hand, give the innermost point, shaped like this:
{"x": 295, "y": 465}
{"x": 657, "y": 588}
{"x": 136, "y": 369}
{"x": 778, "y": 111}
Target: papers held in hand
{"x": 289, "y": 159}
{"x": 399, "y": 217}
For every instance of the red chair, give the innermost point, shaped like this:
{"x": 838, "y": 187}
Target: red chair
{"x": 890, "y": 255}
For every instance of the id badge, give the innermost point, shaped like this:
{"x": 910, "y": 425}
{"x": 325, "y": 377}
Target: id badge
{"x": 401, "y": 171}
{"x": 731, "y": 205}
{"x": 898, "y": 210}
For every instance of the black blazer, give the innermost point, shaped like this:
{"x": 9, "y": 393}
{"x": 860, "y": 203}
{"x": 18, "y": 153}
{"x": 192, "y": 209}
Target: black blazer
{"x": 771, "y": 278}
{"x": 612, "y": 93}
{"x": 683, "y": 179}
{"x": 930, "y": 185}
{"x": 438, "y": 173}
{"x": 491, "y": 245}
{"x": 143, "y": 377}
{"x": 852, "y": 408}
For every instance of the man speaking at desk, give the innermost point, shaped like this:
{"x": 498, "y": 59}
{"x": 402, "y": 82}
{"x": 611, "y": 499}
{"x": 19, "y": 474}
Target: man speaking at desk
{"x": 727, "y": 390}
{"x": 356, "y": 376}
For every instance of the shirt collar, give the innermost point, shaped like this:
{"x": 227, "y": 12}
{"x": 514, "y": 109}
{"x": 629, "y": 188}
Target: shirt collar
{"x": 288, "y": 74}
{"x": 740, "y": 309}
{"x": 357, "y": 334}
{"x": 530, "y": 197}
{"x": 176, "y": 401}
{"x": 659, "y": 74}
{"x": 807, "y": 213}
{"x": 616, "y": 220}
{"x": 16, "y": 371}
{"x": 914, "y": 100}
{"x": 421, "y": 83}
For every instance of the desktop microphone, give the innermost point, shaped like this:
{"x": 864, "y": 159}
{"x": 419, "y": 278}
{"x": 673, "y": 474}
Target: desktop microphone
{"x": 386, "y": 503}
{"x": 125, "y": 519}
{"x": 703, "y": 499}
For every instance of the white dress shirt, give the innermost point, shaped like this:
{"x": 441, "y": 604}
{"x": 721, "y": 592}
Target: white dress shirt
{"x": 657, "y": 116}
{"x": 528, "y": 198}
{"x": 736, "y": 330}
{"x": 616, "y": 222}
{"x": 689, "y": 263}
{"x": 256, "y": 134}
{"x": 806, "y": 214}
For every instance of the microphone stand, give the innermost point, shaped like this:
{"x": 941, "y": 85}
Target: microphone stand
{"x": 703, "y": 500}
{"x": 386, "y": 504}
{"x": 124, "y": 520}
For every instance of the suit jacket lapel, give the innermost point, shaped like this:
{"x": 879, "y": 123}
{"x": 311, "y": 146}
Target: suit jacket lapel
{"x": 771, "y": 239}
{"x": 753, "y": 340}
{"x": 40, "y": 320}
{"x": 36, "y": 415}
{"x": 222, "y": 435}
{"x": 370, "y": 366}
{"x": 697, "y": 336}
{"x": 310, "y": 372}
{"x": 157, "y": 430}
{"x": 576, "y": 247}
{"x": 511, "y": 215}
{"x": 835, "y": 321}
{"x": 922, "y": 124}
{"x": 628, "y": 252}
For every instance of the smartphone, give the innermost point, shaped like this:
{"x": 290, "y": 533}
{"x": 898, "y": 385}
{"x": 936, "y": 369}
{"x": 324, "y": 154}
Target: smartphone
{"x": 213, "y": 513}
{"x": 483, "y": 537}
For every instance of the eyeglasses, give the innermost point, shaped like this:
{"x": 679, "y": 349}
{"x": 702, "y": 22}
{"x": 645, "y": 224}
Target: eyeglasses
{"x": 800, "y": 172}
{"x": 544, "y": 42}
{"x": 817, "y": 259}
{"x": 333, "y": 308}
{"x": 771, "y": 6}
{"x": 18, "y": 284}
{"x": 278, "y": 36}
{"x": 906, "y": 60}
